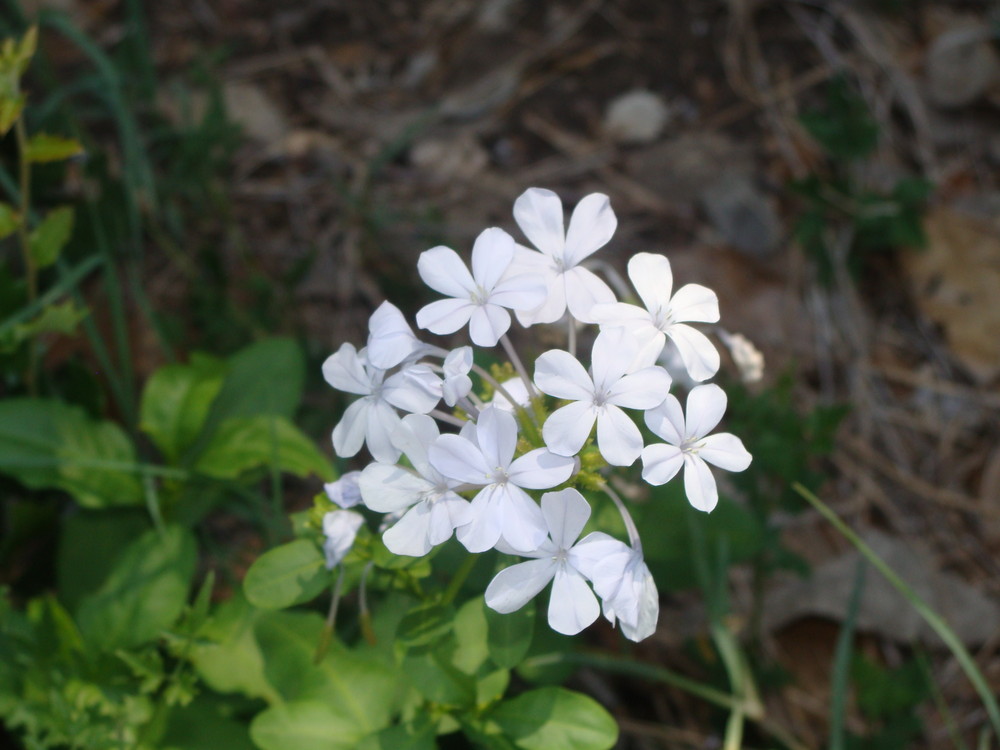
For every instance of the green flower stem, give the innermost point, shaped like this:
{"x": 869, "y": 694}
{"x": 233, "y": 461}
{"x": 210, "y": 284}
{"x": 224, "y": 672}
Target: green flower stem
{"x": 459, "y": 578}
{"x": 30, "y": 269}
{"x": 518, "y": 365}
{"x": 939, "y": 626}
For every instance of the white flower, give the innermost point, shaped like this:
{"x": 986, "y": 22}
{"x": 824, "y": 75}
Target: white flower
{"x": 373, "y": 419}
{"x": 665, "y": 315}
{"x": 457, "y": 383}
{"x": 691, "y": 446}
{"x": 599, "y": 396}
{"x": 344, "y": 491}
{"x": 572, "y": 605}
{"x": 502, "y": 509}
{"x": 623, "y": 581}
{"x": 390, "y": 338}
{"x": 436, "y": 510}
{"x": 539, "y": 213}
{"x": 479, "y": 298}
{"x": 748, "y": 358}
{"x": 340, "y": 527}
{"x": 517, "y": 390}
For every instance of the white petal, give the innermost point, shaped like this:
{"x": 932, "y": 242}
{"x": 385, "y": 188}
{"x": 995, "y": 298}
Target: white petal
{"x": 344, "y": 492}
{"x": 496, "y": 431}
{"x": 696, "y": 303}
{"x": 667, "y": 420}
{"x": 517, "y": 390}
{"x": 554, "y": 305}
{"x": 458, "y": 361}
{"x": 382, "y": 422}
{"x": 572, "y": 605}
{"x": 618, "y": 439}
{"x": 416, "y": 389}
{"x": 647, "y": 609}
{"x": 487, "y": 324}
{"x": 390, "y": 339}
{"x": 567, "y": 428}
{"x": 699, "y": 354}
{"x": 602, "y": 559}
{"x": 408, "y": 536}
{"x": 614, "y": 314}
{"x": 559, "y": 374}
{"x": 522, "y": 522}
{"x": 645, "y": 389}
{"x": 484, "y": 527}
{"x": 457, "y": 458}
{"x": 613, "y": 352}
{"x": 387, "y": 488}
{"x": 414, "y": 436}
{"x": 517, "y": 585}
{"x": 539, "y": 213}
{"x": 443, "y": 271}
{"x": 455, "y": 388}
{"x": 340, "y": 527}
{"x": 566, "y": 513}
{"x": 590, "y": 227}
{"x": 699, "y": 484}
{"x": 661, "y": 462}
{"x": 726, "y": 451}
{"x": 584, "y": 291}
{"x": 445, "y": 315}
{"x": 540, "y": 469}
{"x": 524, "y": 292}
{"x": 705, "y": 406}
{"x": 653, "y": 280}
{"x": 492, "y": 253}
{"x": 349, "y": 434}
{"x": 446, "y": 514}
{"x": 344, "y": 371}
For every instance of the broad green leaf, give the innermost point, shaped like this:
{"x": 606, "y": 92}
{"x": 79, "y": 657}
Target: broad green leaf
{"x": 425, "y": 624}
{"x": 303, "y": 725}
{"x": 205, "y": 724}
{"x": 264, "y": 378}
{"x": 287, "y": 575}
{"x": 43, "y": 148}
{"x": 553, "y": 718}
{"x": 10, "y": 109}
{"x": 10, "y": 220}
{"x": 61, "y": 317}
{"x": 470, "y": 628}
{"x": 432, "y": 673}
{"x": 417, "y": 735}
{"x": 227, "y": 655}
{"x": 176, "y": 401}
{"x": 49, "y": 238}
{"x": 245, "y": 443}
{"x": 47, "y": 444}
{"x": 360, "y": 691}
{"x": 144, "y": 594}
{"x": 510, "y": 635}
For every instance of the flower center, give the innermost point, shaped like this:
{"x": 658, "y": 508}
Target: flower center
{"x": 479, "y": 296}
{"x": 663, "y": 318}
{"x": 692, "y": 445}
{"x": 500, "y": 476}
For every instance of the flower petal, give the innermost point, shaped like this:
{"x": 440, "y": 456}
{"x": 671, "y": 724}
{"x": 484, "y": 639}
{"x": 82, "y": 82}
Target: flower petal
{"x": 566, "y": 513}
{"x": 726, "y": 451}
{"x": 496, "y": 432}
{"x": 645, "y": 389}
{"x": 442, "y": 270}
{"x": 408, "y": 536}
{"x": 572, "y": 605}
{"x": 522, "y": 522}
{"x": 667, "y": 420}
{"x": 584, "y": 290}
{"x": 618, "y": 439}
{"x": 340, "y": 527}
{"x": 387, "y": 488}
{"x": 517, "y": 585}
{"x": 539, "y": 213}
{"x": 560, "y": 374}
{"x": 698, "y": 353}
{"x": 457, "y": 458}
{"x": 447, "y": 514}
{"x": 705, "y": 406}
{"x": 699, "y": 484}
{"x": 487, "y": 324}
{"x": 590, "y": 227}
{"x": 696, "y": 303}
{"x": 492, "y": 253}
{"x": 349, "y": 434}
{"x": 390, "y": 339}
{"x": 653, "y": 280}
{"x": 445, "y": 316}
{"x": 344, "y": 371}
{"x": 541, "y": 469}
{"x": 486, "y": 523}
{"x": 567, "y": 428}
{"x": 414, "y": 436}
{"x": 417, "y": 389}
{"x": 661, "y": 462}
{"x": 382, "y": 421}
{"x": 524, "y": 292}
{"x": 613, "y": 352}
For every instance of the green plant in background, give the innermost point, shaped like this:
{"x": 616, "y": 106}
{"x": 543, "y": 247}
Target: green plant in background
{"x": 878, "y": 220}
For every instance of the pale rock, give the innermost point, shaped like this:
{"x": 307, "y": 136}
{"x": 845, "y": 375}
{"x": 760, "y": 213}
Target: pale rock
{"x": 459, "y": 158}
{"x": 636, "y": 117}
{"x": 742, "y": 215}
{"x": 961, "y": 65}
{"x": 249, "y": 107}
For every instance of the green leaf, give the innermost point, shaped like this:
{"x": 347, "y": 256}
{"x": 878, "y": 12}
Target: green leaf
{"x": 61, "y": 317}
{"x": 46, "y": 444}
{"x": 264, "y": 378}
{"x": 10, "y": 220}
{"x": 303, "y": 725}
{"x": 227, "y": 655}
{"x": 416, "y": 735}
{"x": 287, "y": 575}
{"x": 145, "y": 593}
{"x": 510, "y": 635}
{"x": 245, "y": 443}
{"x": 553, "y": 718}
{"x": 205, "y": 724}
{"x": 49, "y": 238}
{"x": 434, "y": 676}
{"x": 10, "y": 110}
{"x": 42, "y": 148}
{"x": 360, "y": 690}
{"x": 176, "y": 402}
{"x": 844, "y": 127}
{"x": 425, "y": 624}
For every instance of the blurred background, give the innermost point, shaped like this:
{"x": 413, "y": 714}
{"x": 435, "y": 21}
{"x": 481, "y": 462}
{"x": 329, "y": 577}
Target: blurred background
{"x": 830, "y": 169}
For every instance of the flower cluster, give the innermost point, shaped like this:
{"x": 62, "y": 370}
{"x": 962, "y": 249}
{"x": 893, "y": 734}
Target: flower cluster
{"x": 479, "y": 479}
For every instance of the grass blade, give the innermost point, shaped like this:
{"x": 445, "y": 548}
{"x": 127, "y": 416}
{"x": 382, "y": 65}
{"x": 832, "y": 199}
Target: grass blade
{"x": 842, "y": 661}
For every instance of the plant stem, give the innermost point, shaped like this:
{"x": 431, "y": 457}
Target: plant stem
{"x": 518, "y": 365}
{"x": 633, "y": 532}
{"x": 30, "y": 269}
{"x": 455, "y": 584}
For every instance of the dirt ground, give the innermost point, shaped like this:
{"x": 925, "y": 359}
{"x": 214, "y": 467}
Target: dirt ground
{"x": 375, "y": 130}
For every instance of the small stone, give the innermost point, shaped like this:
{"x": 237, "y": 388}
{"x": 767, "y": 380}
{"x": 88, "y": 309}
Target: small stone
{"x": 961, "y": 66}
{"x": 458, "y": 158}
{"x": 248, "y": 106}
{"x": 636, "y": 117}
{"x": 742, "y": 215}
